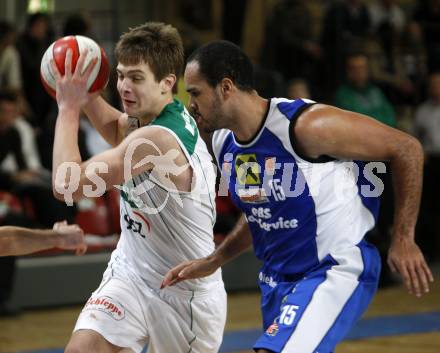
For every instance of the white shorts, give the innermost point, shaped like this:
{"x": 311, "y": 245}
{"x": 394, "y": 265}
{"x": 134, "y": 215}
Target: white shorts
{"x": 130, "y": 314}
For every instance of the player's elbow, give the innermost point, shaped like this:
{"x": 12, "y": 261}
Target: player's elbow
{"x": 407, "y": 148}
{"x": 415, "y": 148}
{"x": 66, "y": 192}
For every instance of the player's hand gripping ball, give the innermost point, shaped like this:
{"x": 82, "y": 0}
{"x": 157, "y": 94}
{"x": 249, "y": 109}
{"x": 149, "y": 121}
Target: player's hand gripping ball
{"x": 57, "y": 51}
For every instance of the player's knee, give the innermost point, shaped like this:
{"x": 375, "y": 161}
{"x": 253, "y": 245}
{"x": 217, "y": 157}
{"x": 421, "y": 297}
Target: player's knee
{"x": 83, "y": 341}
{"x": 74, "y": 347}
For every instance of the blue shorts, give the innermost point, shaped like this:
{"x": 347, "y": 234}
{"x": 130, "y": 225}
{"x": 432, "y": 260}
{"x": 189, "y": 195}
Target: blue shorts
{"x": 314, "y": 313}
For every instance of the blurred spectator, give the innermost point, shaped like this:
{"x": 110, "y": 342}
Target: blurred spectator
{"x": 388, "y": 68}
{"x": 233, "y": 20}
{"x": 345, "y": 28}
{"x": 360, "y": 95}
{"x": 427, "y": 118}
{"x": 197, "y": 13}
{"x": 386, "y": 13}
{"x": 268, "y": 83}
{"x": 79, "y": 23}
{"x": 427, "y": 129}
{"x": 297, "y": 88}
{"x": 10, "y": 70}
{"x": 427, "y": 17}
{"x": 10, "y": 207}
{"x": 31, "y": 45}
{"x": 289, "y": 45}
{"x": 20, "y": 169}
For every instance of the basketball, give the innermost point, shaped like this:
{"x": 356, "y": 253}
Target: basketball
{"x": 57, "y": 51}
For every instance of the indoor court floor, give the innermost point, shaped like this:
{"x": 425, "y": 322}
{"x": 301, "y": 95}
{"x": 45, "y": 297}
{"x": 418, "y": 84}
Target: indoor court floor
{"x": 395, "y": 323}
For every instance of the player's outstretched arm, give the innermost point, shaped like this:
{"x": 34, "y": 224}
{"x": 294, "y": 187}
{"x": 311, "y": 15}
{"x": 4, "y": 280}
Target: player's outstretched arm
{"x": 21, "y": 241}
{"x": 325, "y": 130}
{"x": 236, "y": 242}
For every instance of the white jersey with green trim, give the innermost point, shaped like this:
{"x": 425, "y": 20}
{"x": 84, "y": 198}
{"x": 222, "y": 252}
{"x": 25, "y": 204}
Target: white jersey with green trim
{"x": 162, "y": 227}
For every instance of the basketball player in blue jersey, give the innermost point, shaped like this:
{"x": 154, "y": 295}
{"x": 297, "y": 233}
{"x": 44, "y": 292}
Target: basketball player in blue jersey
{"x": 299, "y": 172}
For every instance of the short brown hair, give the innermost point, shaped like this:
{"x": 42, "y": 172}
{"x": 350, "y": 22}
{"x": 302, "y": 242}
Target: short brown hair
{"x": 156, "y": 43}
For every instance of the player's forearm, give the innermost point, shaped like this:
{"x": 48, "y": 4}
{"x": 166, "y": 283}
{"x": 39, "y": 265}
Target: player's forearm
{"x": 66, "y": 155}
{"x": 407, "y": 173}
{"x": 104, "y": 118}
{"x": 22, "y": 241}
{"x": 235, "y": 243}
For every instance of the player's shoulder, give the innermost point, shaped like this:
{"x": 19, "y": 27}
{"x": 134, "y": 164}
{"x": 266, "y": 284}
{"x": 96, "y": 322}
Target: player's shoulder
{"x": 176, "y": 119}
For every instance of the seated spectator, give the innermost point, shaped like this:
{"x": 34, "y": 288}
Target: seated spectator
{"x": 387, "y": 11}
{"x": 10, "y": 70}
{"x": 346, "y": 25}
{"x": 23, "y": 179}
{"x": 78, "y": 23}
{"x": 427, "y": 17}
{"x": 360, "y": 95}
{"x": 31, "y": 44}
{"x": 20, "y": 169}
{"x": 385, "y": 49}
{"x": 290, "y": 46}
{"x": 297, "y": 88}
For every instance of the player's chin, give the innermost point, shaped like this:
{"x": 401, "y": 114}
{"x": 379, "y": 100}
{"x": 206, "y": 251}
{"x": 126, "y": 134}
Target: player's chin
{"x": 130, "y": 108}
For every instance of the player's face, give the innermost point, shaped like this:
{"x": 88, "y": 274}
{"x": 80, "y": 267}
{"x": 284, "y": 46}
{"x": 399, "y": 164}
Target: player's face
{"x": 140, "y": 93}
{"x": 205, "y": 102}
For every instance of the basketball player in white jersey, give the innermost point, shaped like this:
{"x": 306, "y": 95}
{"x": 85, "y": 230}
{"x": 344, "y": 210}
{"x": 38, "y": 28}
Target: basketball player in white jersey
{"x": 167, "y": 202}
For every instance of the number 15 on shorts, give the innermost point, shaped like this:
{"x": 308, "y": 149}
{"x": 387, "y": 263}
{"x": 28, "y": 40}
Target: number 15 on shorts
{"x": 288, "y": 313}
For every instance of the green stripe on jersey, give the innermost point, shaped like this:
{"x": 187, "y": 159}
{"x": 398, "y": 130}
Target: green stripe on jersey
{"x": 176, "y": 118}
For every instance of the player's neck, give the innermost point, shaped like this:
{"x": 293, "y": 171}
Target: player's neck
{"x": 155, "y": 112}
{"x": 249, "y": 116}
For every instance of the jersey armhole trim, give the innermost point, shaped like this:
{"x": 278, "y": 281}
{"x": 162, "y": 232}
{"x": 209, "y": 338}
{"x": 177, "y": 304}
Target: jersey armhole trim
{"x": 320, "y": 159}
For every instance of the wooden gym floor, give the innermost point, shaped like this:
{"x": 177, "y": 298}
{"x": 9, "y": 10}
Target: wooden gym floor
{"x": 395, "y": 323}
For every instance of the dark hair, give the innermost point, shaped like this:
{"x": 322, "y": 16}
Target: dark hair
{"x": 35, "y": 17}
{"x": 8, "y": 95}
{"x": 5, "y": 29}
{"x": 77, "y": 23}
{"x": 222, "y": 59}
{"x": 158, "y": 44}
{"x": 356, "y": 54}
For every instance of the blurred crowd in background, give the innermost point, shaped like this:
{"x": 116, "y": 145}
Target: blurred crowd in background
{"x": 375, "y": 57}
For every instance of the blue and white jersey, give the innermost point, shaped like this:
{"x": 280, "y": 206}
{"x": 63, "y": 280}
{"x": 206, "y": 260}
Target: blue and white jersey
{"x": 299, "y": 211}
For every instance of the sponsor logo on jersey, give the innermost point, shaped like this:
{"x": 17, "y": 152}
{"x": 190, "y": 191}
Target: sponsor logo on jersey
{"x": 247, "y": 169}
{"x": 263, "y": 217}
{"x": 267, "y": 279}
{"x": 106, "y": 305}
{"x": 272, "y": 330}
{"x": 252, "y": 195}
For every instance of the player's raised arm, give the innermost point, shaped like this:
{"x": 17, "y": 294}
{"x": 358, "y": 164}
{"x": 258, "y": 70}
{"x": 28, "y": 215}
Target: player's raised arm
{"x": 325, "y": 130}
